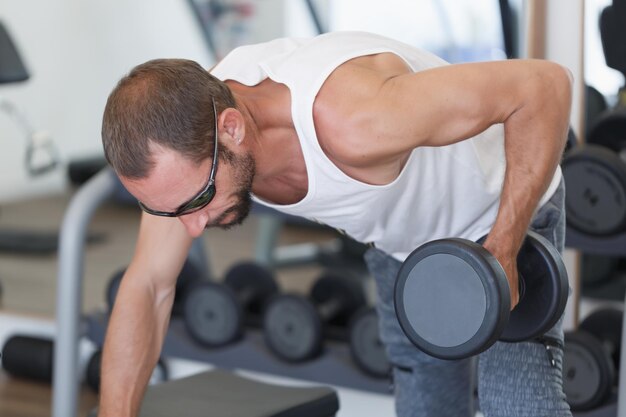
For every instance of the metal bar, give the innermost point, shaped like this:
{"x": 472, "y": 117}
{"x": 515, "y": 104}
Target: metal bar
{"x": 69, "y": 289}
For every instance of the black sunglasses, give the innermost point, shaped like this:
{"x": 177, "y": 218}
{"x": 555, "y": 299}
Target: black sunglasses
{"x": 200, "y": 200}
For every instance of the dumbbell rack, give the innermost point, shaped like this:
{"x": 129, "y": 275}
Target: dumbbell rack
{"x": 611, "y": 246}
{"x": 334, "y": 367}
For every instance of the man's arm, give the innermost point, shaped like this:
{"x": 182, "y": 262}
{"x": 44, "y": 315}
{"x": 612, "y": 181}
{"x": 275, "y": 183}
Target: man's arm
{"x": 398, "y": 112}
{"x": 140, "y": 316}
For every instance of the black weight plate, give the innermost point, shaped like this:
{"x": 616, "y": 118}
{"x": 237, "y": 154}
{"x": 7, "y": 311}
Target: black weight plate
{"x": 292, "y": 328}
{"x": 595, "y": 269}
{"x": 452, "y": 298}
{"x": 28, "y": 357}
{"x": 255, "y": 279}
{"x": 595, "y": 201}
{"x": 606, "y": 325}
{"x": 595, "y": 105}
{"x": 366, "y": 348}
{"x": 213, "y": 315}
{"x": 610, "y": 130}
{"x": 546, "y": 289}
{"x": 587, "y": 371}
{"x": 345, "y": 288}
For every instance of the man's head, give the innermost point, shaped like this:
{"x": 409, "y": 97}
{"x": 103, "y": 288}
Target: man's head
{"x": 159, "y": 131}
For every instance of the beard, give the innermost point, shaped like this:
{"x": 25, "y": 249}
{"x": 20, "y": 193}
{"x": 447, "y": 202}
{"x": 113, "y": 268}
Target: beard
{"x": 244, "y": 168}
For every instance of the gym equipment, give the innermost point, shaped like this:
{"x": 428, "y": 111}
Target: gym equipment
{"x": 28, "y": 357}
{"x": 189, "y": 274}
{"x": 592, "y": 356}
{"x": 611, "y": 34}
{"x": 215, "y": 314}
{"x": 295, "y": 326}
{"x": 597, "y": 269}
{"x": 92, "y": 374}
{"x": 366, "y": 349}
{"x": 588, "y": 371}
{"x": 595, "y": 178}
{"x": 12, "y": 67}
{"x": 606, "y": 325}
{"x": 452, "y": 296}
{"x": 226, "y": 394}
{"x": 610, "y": 131}
{"x": 595, "y": 105}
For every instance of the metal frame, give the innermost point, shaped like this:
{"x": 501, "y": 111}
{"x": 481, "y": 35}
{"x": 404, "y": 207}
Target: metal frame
{"x": 69, "y": 289}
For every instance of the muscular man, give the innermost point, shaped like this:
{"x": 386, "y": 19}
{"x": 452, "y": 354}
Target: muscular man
{"x": 382, "y": 140}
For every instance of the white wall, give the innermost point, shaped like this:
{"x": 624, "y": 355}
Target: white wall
{"x": 76, "y": 51}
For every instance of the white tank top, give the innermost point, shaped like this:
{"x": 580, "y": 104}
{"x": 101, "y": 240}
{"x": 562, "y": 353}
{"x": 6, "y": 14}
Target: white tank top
{"x": 441, "y": 192}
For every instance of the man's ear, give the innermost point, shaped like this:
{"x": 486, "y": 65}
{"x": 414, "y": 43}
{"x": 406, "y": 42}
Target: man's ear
{"x": 232, "y": 125}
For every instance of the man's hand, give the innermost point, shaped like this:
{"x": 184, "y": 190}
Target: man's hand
{"x": 509, "y": 264}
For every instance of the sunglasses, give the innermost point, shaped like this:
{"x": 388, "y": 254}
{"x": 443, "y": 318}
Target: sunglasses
{"x": 200, "y": 200}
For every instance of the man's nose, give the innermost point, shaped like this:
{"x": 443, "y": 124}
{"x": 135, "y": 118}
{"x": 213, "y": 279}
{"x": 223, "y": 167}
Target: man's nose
{"x": 195, "y": 222}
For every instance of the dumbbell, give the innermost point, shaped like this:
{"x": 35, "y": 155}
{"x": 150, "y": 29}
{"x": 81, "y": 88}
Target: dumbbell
{"x": 366, "y": 349}
{"x": 295, "y": 326}
{"x": 93, "y": 372}
{"x": 215, "y": 314}
{"x": 189, "y": 273}
{"x": 596, "y": 269}
{"x": 595, "y": 202}
{"x": 28, "y": 357}
{"x": 591, "y": 359}
{"x": 452, "y": 296}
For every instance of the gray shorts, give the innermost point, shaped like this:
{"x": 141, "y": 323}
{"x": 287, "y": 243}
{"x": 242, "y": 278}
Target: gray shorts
{"x": 514, "y": 379}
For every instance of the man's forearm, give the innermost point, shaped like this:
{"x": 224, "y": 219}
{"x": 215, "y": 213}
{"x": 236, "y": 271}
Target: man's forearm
{"x": 133, "y": 343}
{"x": 535, "y": 138}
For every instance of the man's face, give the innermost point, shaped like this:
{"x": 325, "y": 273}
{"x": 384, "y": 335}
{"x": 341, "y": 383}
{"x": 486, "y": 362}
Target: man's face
{"x": 175, "y": 180}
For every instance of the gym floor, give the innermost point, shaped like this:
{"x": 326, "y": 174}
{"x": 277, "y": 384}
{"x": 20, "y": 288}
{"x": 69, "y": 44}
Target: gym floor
{"x": 29, "y": 281}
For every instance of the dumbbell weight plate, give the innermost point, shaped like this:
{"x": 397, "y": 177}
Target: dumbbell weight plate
{"x": 606, "y": 325}
{"x": 452, "y": 298}
{"x": 545, "y": 290}
{"x": 212, "y": 313}
{"x": 250, "y": 275}
{"x": 596, "y": 190}
{"x": 596, "y": 269}
{"x": 292, "y": 328}
{"x": 342, "y": 285}
{"x": 366, "y": 349}
{"x": 587, "y": 371}
{"x": 610, "y": 130}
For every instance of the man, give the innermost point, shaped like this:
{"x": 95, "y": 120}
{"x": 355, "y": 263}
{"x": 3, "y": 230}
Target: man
{"x": 365, "y": 134}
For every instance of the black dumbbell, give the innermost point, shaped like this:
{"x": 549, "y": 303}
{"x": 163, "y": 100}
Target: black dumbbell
{"x": 366, "y": 348}
{"x": 29, "y": 357}
{"x": 596, "y": 269}
{"x": 190, "y": 273}
{"x": 595, "y": 202}
{"x": 216, "y": 314}
{"x": 92, "y": 374}
{"x": 592, "y": 358}
{"x": 606, "y": 325}
{"x": 452, "y": 296}
{"x": 295, "y": 326}
{"x": 588, "y": 371}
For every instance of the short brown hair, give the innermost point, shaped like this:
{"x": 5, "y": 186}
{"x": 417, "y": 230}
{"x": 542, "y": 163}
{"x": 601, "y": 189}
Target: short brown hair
{"x": 166, "y": 102}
